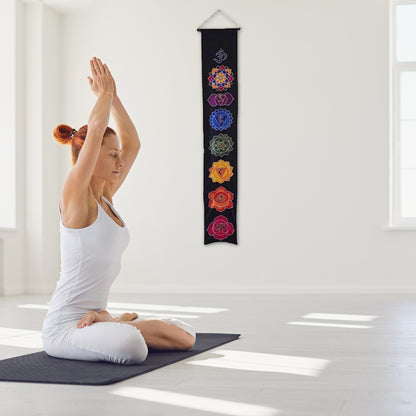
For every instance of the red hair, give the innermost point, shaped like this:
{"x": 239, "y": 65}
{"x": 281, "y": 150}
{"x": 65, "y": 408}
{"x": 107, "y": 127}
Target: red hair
{"x": 65, "y": 134}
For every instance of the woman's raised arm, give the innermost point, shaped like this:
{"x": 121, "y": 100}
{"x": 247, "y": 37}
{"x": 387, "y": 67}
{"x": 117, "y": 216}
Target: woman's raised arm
{"x": 80, "y": 175}
{"x": 129, "y": 139}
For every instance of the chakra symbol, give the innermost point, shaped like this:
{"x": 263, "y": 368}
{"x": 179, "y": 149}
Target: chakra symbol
{"x": 220, "y": 228}
{"x": 221, "y": 78}
{"x": 220, "y": 56}
{"x": 220, "y": 99}
{"x": 220, "y": 119}
{"x": 221, "y": 145}
{"x": 220, "y": 199}
{"x": 221, "y": 171}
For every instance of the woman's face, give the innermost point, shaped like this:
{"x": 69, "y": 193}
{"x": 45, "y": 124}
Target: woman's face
{"x": 109, "y": 162}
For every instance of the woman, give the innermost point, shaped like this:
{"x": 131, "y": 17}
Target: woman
{"x": 93, "y": 239}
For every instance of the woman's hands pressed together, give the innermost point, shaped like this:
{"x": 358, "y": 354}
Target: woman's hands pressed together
{"x": 102, "y": 81}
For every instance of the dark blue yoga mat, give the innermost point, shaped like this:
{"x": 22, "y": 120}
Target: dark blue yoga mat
{"x": 39, "y": 367}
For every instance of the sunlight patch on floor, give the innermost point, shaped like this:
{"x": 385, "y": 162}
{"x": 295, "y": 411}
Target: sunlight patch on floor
{"x": 254, "y": 361}
{"x": 141, "y": 314}
{"x": 20, "y": 338}
{"x": 340, "y": 317}
{"x": 33, "y": 306}
{"x": 116, "y": 312}
{"x": 142, "y": 307}
{"x": 217, "y": 406}
{"x": 329, "y": 325}
{"x": 171, "y": 308}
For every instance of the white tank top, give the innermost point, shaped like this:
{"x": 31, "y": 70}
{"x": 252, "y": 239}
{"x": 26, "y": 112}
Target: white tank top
{"x": 90, "y": 262}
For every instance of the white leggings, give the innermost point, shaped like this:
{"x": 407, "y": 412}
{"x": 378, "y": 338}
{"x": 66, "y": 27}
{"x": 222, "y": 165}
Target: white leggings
{"x": 103, "y": 341}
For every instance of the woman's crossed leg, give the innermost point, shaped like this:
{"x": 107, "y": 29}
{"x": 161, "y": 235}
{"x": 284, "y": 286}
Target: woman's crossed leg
{"x": 158, "y": 334}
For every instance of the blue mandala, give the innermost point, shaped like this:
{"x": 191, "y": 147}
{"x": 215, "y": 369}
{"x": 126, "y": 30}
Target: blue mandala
{"x": 221, "y": 119}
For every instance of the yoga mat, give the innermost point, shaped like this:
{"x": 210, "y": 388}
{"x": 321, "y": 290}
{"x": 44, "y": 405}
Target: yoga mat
{"x": 39, "y": 367}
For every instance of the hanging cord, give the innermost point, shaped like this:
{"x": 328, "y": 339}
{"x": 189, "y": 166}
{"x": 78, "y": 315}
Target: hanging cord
{"x": 214, "y": 14}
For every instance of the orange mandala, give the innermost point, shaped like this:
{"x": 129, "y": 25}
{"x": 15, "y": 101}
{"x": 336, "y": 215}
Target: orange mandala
{"x": 220, "y": 199}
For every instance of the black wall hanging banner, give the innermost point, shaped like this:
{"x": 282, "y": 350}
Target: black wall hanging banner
{"x": 220, "y": 111}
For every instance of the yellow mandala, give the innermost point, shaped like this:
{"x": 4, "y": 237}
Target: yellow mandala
{"x": 221, "y": 171}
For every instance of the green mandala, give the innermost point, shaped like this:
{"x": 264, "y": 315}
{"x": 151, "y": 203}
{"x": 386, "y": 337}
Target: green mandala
{"x": 221, "y": 145}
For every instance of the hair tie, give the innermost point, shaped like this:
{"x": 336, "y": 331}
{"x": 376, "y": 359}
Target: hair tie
{"x": 73, "y": 132}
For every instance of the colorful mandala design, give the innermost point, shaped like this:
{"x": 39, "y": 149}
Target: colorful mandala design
{"x": 221, "y": 171}
{"x": 220, "y": 199}
{"x": 220, "y": 99}
{"x": 221, "y": 145}
{"x": 221, "y": 78}
{"x": 220, "y": 228}
{"x": 221, "y": 119}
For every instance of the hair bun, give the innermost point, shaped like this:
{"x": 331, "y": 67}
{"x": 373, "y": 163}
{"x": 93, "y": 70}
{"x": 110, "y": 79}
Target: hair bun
{"x": 63, "y": 134}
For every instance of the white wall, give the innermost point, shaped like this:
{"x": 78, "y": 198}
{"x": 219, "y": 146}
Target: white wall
{"x": 313, "y": 143}
{"x": 12, "y": 240}
{"x": 43, "y": 161}
{"x": 7, "y": 113}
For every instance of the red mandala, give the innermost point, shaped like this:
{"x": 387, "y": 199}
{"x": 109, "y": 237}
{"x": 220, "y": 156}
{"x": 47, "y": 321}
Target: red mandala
{"x": 220, "y": 228}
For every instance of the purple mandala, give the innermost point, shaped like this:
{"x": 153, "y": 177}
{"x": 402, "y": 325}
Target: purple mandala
{"x": 220, "y": 99}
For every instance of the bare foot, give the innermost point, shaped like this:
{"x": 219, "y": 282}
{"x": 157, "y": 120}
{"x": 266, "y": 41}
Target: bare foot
{"x": 87, "y": 320}
{"x": 104, "y": 316}
{"x": 91, "y": 316}
{"x": 127, "y": 317}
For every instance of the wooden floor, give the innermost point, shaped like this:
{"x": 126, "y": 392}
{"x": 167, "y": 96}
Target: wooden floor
{"x": 357, "y": 358}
